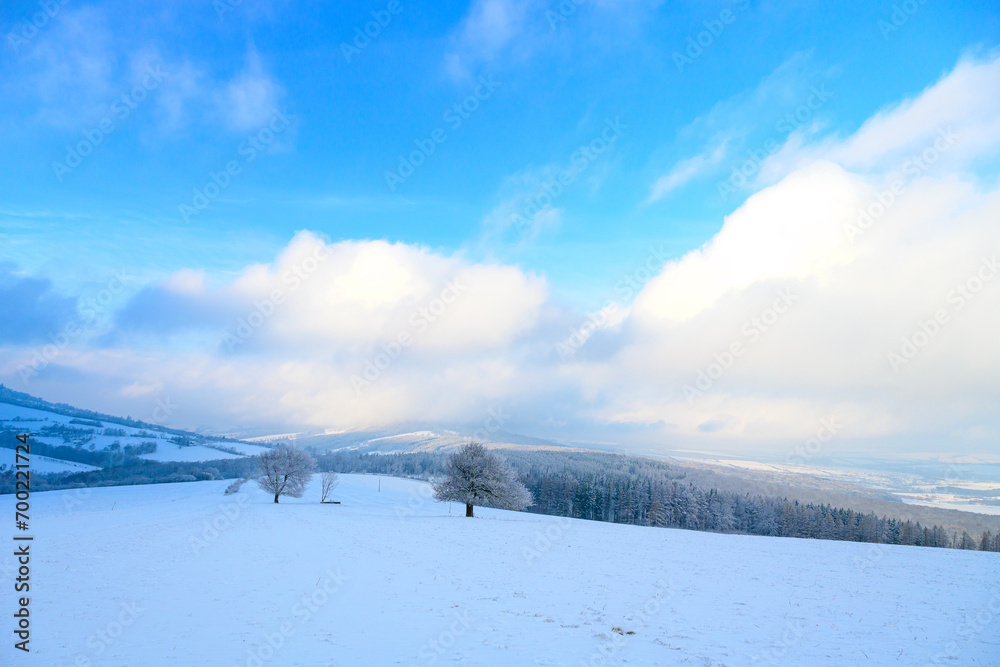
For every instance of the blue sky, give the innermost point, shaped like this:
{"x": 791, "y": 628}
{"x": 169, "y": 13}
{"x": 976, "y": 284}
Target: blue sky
{"x": 203, "y": 83}
{"x": 353, "y": 119}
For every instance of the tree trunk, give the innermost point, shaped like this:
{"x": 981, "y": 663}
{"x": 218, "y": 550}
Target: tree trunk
{"x": 276, "y": 498}
{"x": 468, "y": 509}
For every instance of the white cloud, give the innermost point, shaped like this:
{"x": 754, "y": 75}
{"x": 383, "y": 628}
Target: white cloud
{"x": 251, "y": 97}
{"x": 485, "y": 32}
{"x": 768, "y": 238}
{"x": 137, "y": 389}
{"x": 500, "y": 32}
{"x": 686, "y": 170}
{"x": 362, "y": 294}
{"x": 178, "y": 96}
{"x": 749, "y": 124}
{"x": 967, "y": 100}
{"x": 527, "y": 206}
{"x": 852, "y": 295}
{"x": 70, "y": 68}
{"x": 860, "y": 288}
{"x": 293, "y": 334}
{"x": 73, "y": 72}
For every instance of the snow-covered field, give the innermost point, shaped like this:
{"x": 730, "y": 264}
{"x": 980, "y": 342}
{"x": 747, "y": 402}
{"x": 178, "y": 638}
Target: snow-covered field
{"x": 168, "y": 451}
{"x": 179, "y": 574}
{"x": 8, "y": 457}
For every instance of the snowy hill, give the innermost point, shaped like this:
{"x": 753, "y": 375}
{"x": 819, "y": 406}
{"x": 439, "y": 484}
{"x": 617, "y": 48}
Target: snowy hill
{"x": 43, "y": 464}
{"x": 63, "y": 425}
{"x": 409, "y": 437}
{"x": 179, "y": 574}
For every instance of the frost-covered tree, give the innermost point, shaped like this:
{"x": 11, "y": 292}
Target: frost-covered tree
{"x": 477, "y": 476}
{"x": 284, "y": 471}
{"x": 330, "y": 482}
{"x": 655, "y": 515}
{"x": 235, "y": 486}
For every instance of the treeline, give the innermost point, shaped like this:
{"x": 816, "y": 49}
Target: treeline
{"x": 121, "y": 468}
{"x": 415, "y": 466}
{"x": 649, "y": 501}
{"x": 106, "y": 458}
{"x": 641, "y": 491}
{"x": 135, "y": 471}
{"x": 583, "y": 485}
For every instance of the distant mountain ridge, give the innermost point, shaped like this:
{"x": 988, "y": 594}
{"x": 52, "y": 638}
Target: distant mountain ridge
{"x": 418, "y": 437}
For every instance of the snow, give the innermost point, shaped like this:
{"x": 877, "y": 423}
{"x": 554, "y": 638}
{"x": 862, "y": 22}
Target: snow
{"x": 9, "y": 411}
{"x": 274, "y": 438}
{"x": 43, "y": 464}
{"x": 138, "y": 575}
{"x": 406, "y": 436}
{"x": 246, "y": 449}
{"x": 168, "y": 451}
{"x": 41, "y": 418}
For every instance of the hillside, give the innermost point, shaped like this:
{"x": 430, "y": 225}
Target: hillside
{"x": 88, "y": 440}
{"x": 61, "y": 425}
{"x": 324, "y": 584}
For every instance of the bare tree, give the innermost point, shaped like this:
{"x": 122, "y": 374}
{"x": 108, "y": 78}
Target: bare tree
{"x": 330, "y": 482}
{"x": 477, "y": 476}
{"x": 284, "y": 471}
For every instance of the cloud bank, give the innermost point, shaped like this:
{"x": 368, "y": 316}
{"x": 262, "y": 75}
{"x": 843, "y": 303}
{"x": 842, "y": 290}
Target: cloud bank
{"x": 858, "y": 283}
